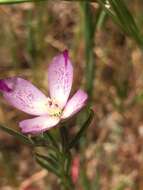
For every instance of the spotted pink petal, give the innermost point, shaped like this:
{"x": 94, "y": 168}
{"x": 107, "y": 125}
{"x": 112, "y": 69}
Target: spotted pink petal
{"x": 24, "y": 96}
{"x": 38, "y": 124}
{"x": 75, "y": 104}
{"x": 60, "y": 76}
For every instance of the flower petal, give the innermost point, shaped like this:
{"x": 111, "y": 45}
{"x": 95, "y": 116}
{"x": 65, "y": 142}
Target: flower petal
{"x": 60, "y": 76}
{"x": 24, "y": 96}
{"x": 75, "y": 104}
{"x": 38, "y": 124}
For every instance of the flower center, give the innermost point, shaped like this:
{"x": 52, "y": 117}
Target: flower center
{"x": 54, "y": 109}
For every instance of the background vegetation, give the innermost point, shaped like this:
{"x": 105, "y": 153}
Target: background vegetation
{"x": 105, "y": 41}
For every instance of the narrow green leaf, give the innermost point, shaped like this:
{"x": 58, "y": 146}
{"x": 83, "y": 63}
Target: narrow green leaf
{"x": 17, "y": 135}
{"x": 53, "y": 156}
{"x": 101, "y": 17}
{"x": 109, "y": 12}
{"x": 49, "y": 136}
{"x": 121, "y": 15}
{"x": 49, "y": 159}
{"x": 82, "y": 130}
{"x": 47, "y": 166}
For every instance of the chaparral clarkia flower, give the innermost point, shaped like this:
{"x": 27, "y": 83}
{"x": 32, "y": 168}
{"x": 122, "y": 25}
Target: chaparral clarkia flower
{"x": 48, "y": 110}
{"x": 75, "y": 168}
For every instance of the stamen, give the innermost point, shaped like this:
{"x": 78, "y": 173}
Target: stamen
{"x": 54, "y": 109}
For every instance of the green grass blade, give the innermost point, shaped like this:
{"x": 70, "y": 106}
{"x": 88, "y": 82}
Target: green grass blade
{"x": 121, "y": 15}
{"x": 101, "y": 19}
{"x": 126, "y": 18}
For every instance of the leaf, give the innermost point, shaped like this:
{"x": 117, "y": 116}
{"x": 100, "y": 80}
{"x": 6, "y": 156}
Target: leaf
{"x": 50, "y": 137}
{"x": 48, "y": 159}
{"x": 47, "y": 166}
{"x": 121, "y": 15}
{"x": 53, "y": 156}
{"x": 82, "y": 130}
{"x": 101, "y": 18}
{"x": 16, "y": 134}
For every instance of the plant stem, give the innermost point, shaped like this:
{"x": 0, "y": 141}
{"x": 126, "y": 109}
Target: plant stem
{"x": 66, "y": 180}
{"x": 89, "y": 30}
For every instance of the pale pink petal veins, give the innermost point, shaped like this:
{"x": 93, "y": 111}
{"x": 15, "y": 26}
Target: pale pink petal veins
{"x": 75, "y": 104}
{"x": 24, "y": 96}
{"x": 60, "y": 76}
{"x": 38, "y": 124}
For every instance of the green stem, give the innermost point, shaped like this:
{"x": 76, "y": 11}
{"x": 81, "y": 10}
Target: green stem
{"x": 66, "y": 180}
{"x": 89, "y": 29}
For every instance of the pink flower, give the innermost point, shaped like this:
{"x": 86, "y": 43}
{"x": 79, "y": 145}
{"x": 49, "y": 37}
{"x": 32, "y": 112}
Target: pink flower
{"x": 48, "y": 110}
{"x": 75, "y": 169}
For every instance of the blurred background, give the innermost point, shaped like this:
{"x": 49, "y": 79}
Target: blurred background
{"x": 105, "y": 43}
